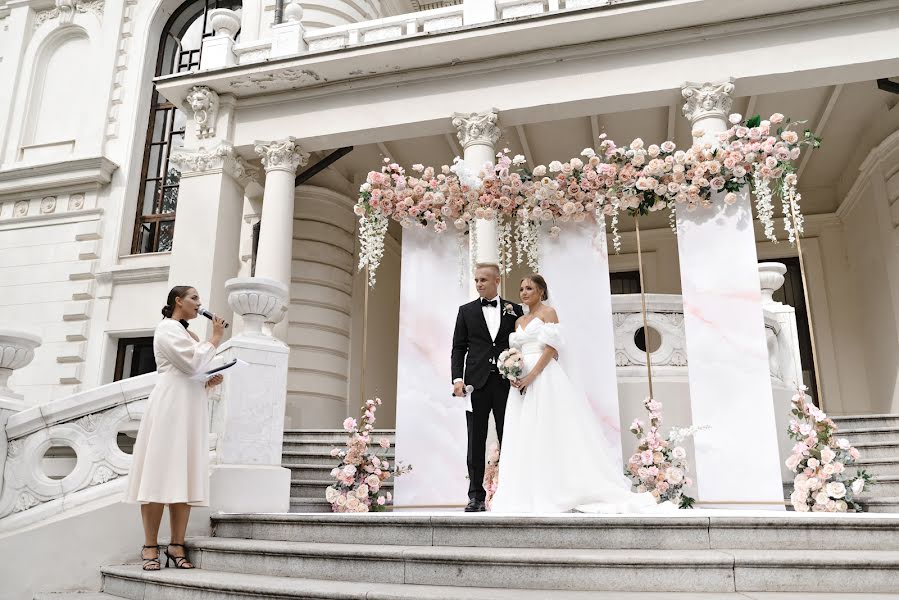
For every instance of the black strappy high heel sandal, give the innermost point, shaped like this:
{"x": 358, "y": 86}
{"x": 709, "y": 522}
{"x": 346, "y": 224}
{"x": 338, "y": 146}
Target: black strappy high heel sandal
{"x": 181, "y": 562}
{"x": 150, "y": 564}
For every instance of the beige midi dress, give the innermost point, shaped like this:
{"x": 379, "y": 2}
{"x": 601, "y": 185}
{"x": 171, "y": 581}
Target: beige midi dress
{"x": 171, "y": 454}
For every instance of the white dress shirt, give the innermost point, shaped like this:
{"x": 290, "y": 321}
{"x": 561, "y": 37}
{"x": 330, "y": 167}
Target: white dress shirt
{"x": 492, "y": 316}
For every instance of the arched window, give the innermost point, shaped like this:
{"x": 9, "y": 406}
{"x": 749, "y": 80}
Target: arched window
{"x": 179, "y": 51}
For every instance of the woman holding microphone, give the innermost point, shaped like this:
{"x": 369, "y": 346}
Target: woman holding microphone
{"x": 171, "y": 455}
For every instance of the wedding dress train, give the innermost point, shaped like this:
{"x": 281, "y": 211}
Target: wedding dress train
{"x": 553, "y": 457}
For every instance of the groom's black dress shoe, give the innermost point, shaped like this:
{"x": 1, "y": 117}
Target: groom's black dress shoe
{"x": 476, "y": 506}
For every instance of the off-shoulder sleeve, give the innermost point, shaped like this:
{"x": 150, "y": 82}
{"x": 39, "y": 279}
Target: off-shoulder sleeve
{"x": 188, "y": 356}
{"x": 551, "y": 335}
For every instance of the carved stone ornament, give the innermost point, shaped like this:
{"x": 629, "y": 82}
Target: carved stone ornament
{"x": 21, "y": 208}
{"x": 25, "y": 502}
{"x": 262, "y": 81}
{"x": 89, "y": 422}
{"x": 282, "y": 155}
{"x": 204, "y": 104}
{"x": 65, "y": 11}
{"x": 48, "y": 205}
{"x": 76, "y": 201}
{"x": 102, "y": 475}
{"x": 707, "y": 99}
{"x": 221, "y": 158}
{"x": 14, "y": 448}
{"x": 246, "y": 173}
{"x": 477, "y": 128}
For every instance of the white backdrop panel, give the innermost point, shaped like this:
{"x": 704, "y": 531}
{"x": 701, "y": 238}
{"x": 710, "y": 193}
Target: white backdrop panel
{"x": 730, "y": 386}
{"x": 430, "y": 433}
{"x": 576, "y": 268}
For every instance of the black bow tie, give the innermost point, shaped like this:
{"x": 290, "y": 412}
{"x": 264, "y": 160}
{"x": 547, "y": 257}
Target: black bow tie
{"x": 485, "y": 302}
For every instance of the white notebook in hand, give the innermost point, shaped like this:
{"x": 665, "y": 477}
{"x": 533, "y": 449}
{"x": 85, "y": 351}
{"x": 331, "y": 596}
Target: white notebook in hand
{"x": 207, "y": 375}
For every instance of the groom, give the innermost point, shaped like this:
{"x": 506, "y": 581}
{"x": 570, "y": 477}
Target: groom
{"x": 482, "y": 332}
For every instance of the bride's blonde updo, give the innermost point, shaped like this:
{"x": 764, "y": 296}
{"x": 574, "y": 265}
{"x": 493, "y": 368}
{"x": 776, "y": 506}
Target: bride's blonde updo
{"x": 538, "y": 280}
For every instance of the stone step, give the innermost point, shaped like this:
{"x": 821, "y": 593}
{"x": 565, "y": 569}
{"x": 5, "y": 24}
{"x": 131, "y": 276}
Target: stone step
{"x": 307, "y": 472}
{"x": 74, "y": 596}
{"x": 879, "y": 450}
{"x": 309, "y": 505}
{"x": 131, "y": 583}
{"x": 878, "y": 467}
{"x": 722, "y": 570}
{"x": 873, "y": 434}
{"x": 292, "y": 457}
{"x": 331, "y": 436}
{"x": 866, "y": 421}
{"x": 316, "y": 488}
{"x": 888, "y": 504}
{"x": 325, "y": 448}
{"x": 682, "y": 531}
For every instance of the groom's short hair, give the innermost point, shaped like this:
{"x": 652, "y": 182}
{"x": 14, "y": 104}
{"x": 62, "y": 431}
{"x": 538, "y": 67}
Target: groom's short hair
{"x": 488, "y": 265}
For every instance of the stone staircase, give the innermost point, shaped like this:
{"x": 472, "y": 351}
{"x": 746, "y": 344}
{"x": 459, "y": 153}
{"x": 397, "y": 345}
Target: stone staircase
{"x": 307, "y": 453}
{"x": 406, "y": 556}
{"x": 877, "y": 439}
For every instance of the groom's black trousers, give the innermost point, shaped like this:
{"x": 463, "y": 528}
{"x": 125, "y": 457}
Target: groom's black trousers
{"x": 490, "y": 397}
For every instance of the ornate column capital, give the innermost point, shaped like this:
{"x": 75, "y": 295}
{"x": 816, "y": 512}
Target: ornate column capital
{"x": 709, "y": 99}
{"x": 221, "y": 159}
{"x": 282, "y": 155}
{"x": 477, "y": 128}
{"x": 203, "y": 102}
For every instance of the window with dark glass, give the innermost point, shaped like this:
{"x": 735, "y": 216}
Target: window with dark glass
{"x": 625, "y": 282}
{"x": 179, "y": 51}
{"x": 135, "y": 357}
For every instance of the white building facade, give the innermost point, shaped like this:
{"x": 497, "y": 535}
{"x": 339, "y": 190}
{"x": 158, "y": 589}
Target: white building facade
{"x": 152, "y": 143}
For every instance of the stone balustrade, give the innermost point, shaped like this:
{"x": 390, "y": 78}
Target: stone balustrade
{"x": 290, "y": 37}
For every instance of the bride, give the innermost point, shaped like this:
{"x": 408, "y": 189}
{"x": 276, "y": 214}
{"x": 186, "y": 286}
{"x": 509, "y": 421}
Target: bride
{"x": 553, "y": 457}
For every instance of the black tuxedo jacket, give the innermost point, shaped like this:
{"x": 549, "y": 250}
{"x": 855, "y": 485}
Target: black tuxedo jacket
{"x": 473, "y": 348}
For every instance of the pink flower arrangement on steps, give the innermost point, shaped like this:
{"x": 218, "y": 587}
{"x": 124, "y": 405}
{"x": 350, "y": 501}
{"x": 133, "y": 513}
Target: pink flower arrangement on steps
{"x": 822, "y": 482}
{"x": 361, "y": 473}
{"x": 659, "y": 465}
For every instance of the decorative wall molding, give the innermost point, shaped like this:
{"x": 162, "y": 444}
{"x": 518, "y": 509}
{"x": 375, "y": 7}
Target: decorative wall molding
{"x": 872, "y": 162}
{"x": 65, "y": 11}
{"x": 221, "y": 159}
{"x": 204, "y": 104}
{"x": 50, "y": 178}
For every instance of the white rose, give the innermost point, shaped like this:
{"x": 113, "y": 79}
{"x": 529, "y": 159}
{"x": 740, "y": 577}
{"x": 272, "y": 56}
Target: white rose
{"x": 331, "y": 494}
{"x": 555, "y": 166}
{"x": 821, "y": 498}
{"x": 858, "y": 485}
{"x": 539, "y": 171}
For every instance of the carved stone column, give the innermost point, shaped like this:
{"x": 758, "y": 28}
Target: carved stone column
{"x": 478, "y": 134}
{"x": 274, "y": 255}
{"x": 725, "y": 333}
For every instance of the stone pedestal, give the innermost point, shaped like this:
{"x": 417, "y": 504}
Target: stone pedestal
{"x": 218, "y": 50}
{"x": 248, "y": 419}
{"x": 16, "y": 351}
{"x": 737, "y": 460}
{"x": 287, "y": 36}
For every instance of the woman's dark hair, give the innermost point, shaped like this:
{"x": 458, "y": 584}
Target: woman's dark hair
{"x": 179, "y": 291}
{"x": 537, "y": 278}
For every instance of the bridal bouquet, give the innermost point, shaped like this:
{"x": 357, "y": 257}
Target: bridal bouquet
{"x": 510, "y": 364}
{"x": 361, "y": 473}
{"x": 659, "y": 465}
{"x": 822, "y": 483}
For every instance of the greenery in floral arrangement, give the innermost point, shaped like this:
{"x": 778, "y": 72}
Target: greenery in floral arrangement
{"x": 659, "y": 465}
{"x": 361, "y": 473}
{"x": 820, "y": 461}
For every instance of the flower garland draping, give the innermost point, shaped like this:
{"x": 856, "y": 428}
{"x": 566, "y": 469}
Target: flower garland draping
{"x": 603, "y": 182}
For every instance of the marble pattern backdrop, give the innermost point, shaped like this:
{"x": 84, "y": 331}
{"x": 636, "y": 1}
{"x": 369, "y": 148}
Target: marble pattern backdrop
{"x": 730, "y": 388}
{"x": 576, "y": 268}
{"x": 430, "y": 423}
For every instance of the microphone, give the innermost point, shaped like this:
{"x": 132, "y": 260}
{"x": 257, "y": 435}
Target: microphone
{"x": 210, "y": 316}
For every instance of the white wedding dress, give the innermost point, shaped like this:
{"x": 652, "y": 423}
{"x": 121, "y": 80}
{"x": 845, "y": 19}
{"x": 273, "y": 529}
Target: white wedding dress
{"x": 553, "y": 457}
